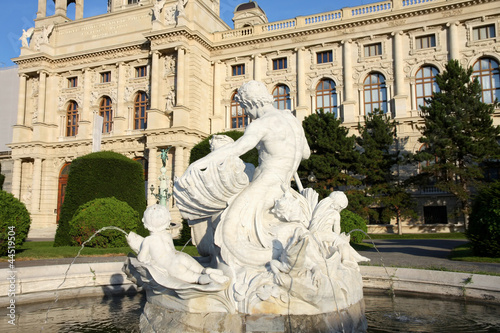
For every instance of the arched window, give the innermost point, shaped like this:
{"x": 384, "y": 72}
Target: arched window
{"x": 238, "y": 117}
{"x": 140, "y": 110}
{"x": 326, "y": 96}
{"x": 72, "y": 119}
{"x": 487, "y": 72}
{"x": 425, "y": 84}
{"x": 106, "y": 111}
{"x": 61, "y": 191}
{"x": 375, "y": 93}
{"x": 281, "y": 96}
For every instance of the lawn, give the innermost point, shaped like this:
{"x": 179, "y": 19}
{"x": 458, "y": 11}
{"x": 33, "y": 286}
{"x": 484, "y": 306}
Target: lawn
{"x": 46, "y": 250}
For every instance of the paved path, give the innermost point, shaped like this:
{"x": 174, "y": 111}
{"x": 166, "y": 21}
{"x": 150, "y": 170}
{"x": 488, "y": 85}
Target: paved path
{"x": 423, "y": 253}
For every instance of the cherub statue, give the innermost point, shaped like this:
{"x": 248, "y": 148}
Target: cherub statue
{"x": 158, "y": 251}
{"x": 26, "y": 34}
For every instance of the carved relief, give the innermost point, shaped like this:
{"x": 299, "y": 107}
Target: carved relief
{"x": 453, "y": 12}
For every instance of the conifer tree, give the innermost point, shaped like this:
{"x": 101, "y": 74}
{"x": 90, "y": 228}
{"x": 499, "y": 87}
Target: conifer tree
{"x": 378, "y": 159}
{"x": 333, "y": 153}
{"x": 458, "y": 135}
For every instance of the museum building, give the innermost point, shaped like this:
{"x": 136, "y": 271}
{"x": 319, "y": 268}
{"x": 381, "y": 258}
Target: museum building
{"x": 164, "y": 74}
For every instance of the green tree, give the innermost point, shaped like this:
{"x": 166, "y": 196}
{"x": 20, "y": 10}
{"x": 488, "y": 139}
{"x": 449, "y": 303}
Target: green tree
{"x": 380, "y": 187}
{"x": 101, "y": 175}
{"x": 333, "y": 153}
{"x": 458, "y": 134}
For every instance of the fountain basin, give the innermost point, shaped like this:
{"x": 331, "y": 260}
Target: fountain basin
{"x": 38, "y": 283}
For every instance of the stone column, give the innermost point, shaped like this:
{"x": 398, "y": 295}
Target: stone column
{"x": 256, "y": 67}
{"x": 120, "y": 110}
{"x": 41, "y": 96}
{"x": 21, "y": 102}
{"x": 86, "y": 117}
{"x": 42, "y": 9}
{"x": 454, "y": 52}
{"x": 348, "y": 83}
{"x": 152, "y": 174}
{"x": 179, "y": 161}
{"x": 61, "y": 7}
{"x": 399, "y": 76}
{"x": 218, "y": 115}
{"x": 16, "y": 178}
{"x": 78, "y": 9}
{"x": 36, "y": 186}
{"x": 301, "y": 77}
{"x": 349, "y": 102}
{"x": 154, "y": 79}
{"x": 180, "y": 76}
{"x": 301, "y": 108}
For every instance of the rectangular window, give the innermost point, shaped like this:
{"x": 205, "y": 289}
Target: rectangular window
{"x": 105, "y": 77}
{"x": 484, "y": 32}
{"x": 131, "y": 2}
{"x": 238, "y": 70}
{"x": 435, "y": 215}
{"x": 72, "y": 82}
{"x": 373, "y": 49}
{"x": 424, "y": 42}
{"x": 324, "y": 57}
{"x": 141, "y": 71}
{"x": 279, "y": 64}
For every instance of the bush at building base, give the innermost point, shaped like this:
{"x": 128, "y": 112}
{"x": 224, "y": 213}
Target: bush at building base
{"x": 14, "y": 217}
{"x": 101, "y": 175}
{"x": 351, "y": 221}
{"x": 100, "y": 213}
{"x": 484, "y": 222}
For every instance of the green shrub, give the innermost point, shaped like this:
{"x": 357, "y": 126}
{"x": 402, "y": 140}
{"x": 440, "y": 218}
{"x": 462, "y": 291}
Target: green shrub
{"x": 13, "y": 213}
{"x": 203, "y": 148}
{"x": 185, "y": 235}
{"x": 100, "y": 213}
{"x": 350, "y": 221}
{"x": 484, "y": 222}
{"x": 101, "y": 175}
{"x": 2, "y": 178}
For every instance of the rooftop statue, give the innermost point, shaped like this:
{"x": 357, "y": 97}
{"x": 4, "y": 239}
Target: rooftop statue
{"x": 282, "y": 251}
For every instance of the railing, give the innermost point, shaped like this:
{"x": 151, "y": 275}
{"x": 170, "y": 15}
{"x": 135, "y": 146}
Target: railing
{"x": 407, "y": 3}
{"x": 280, "y": 25}
{"x": 317, "y": 19}
{"x": 323, "y": 17}
{"x": 431, "y": 190}
{"x": 371, "y": 9}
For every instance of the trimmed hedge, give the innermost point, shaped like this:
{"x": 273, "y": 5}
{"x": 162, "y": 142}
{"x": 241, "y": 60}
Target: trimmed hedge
{"x": 100, "y": 213}
{"x": 350, "y": 221}
{"x": 13, "y": 213}
{"x": 484, "y": 222}
{"x": 203, "y": 148}
{"x": 101, "y": 175}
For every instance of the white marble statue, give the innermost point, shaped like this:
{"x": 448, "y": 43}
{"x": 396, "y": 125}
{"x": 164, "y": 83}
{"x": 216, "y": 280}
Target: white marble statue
{"x": 281, "y": 251}
{"x": 24, "y": 37}
{"x": 168, "y": 266}
{"x": 157, "y": 8}
{"x": 275, "y": 243}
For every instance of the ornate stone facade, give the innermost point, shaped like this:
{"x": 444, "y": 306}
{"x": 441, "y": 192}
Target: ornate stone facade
{"x": 183, "y": 63}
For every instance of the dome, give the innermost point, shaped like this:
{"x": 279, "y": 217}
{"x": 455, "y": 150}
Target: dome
{"x": 246, "y": 6}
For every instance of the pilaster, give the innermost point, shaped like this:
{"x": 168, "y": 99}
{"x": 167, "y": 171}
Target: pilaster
{"x": 401, "y": 93}
{"x": 36, "y": 186}
{"x": 16, "y": 178}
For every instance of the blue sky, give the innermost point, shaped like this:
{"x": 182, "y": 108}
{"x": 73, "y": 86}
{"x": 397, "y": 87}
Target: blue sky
{"x": 19, "y": 14}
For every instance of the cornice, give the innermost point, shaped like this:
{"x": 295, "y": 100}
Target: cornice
{"x": 157, "y": 36}
{"x": 355, "y": 22}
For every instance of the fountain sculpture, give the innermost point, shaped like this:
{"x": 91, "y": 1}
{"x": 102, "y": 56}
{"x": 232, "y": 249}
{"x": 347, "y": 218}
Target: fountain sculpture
{"x": 270, "y": 255}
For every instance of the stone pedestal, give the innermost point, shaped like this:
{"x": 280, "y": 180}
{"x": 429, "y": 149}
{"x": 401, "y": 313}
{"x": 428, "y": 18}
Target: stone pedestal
{"x": 158, "y": 319}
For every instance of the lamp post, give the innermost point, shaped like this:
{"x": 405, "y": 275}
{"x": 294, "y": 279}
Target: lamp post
{"x": 163, "y": 195}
